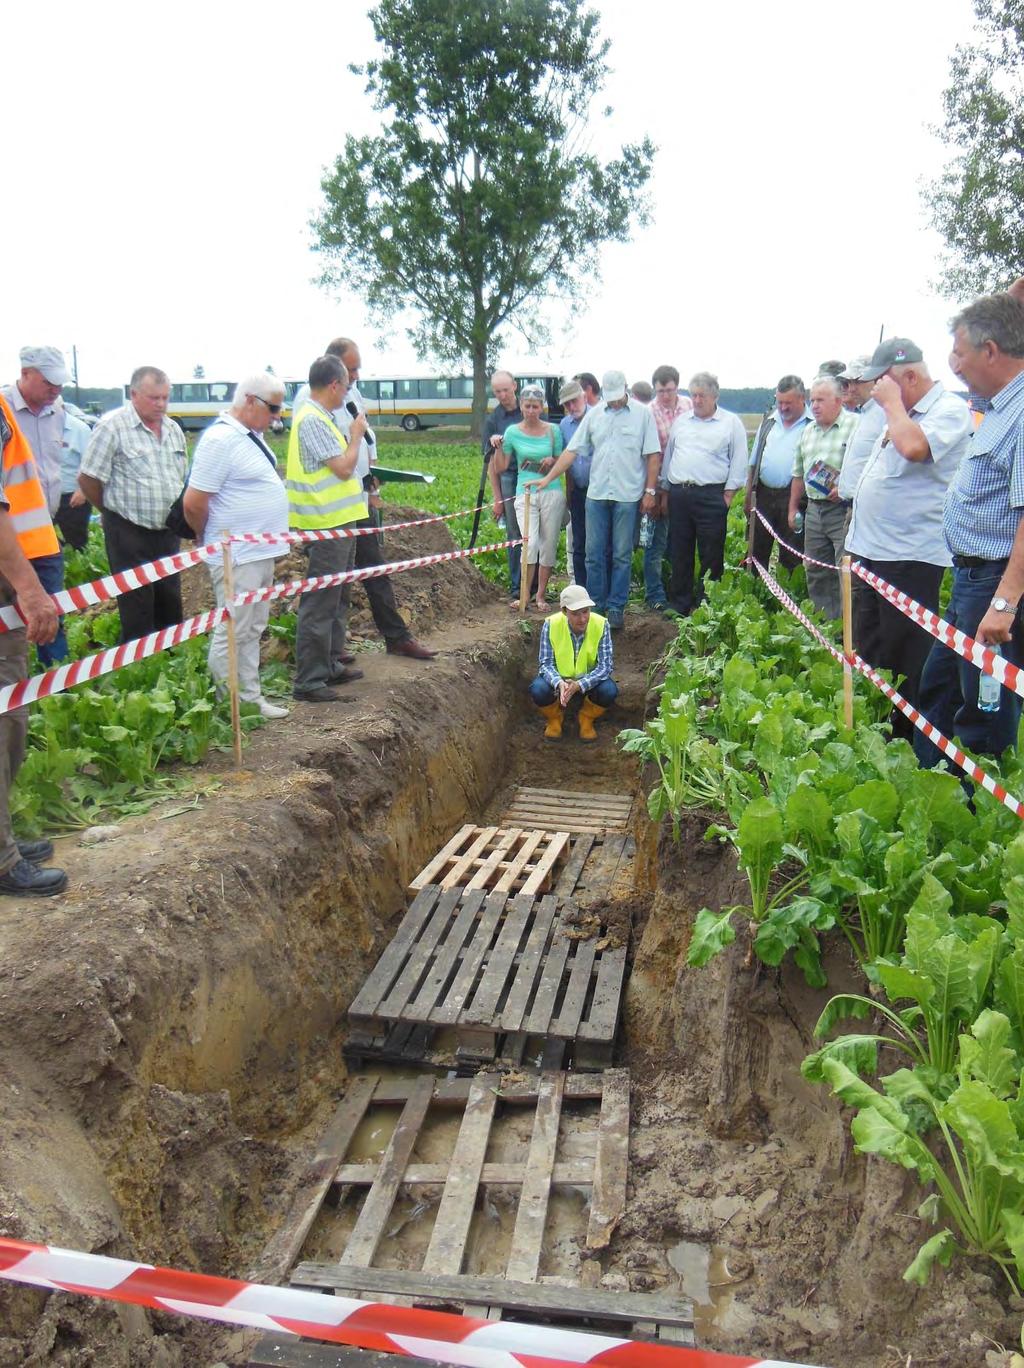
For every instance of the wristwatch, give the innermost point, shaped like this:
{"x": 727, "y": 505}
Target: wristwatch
{"x": 1002, "y": 605}
{"x": 651, "y": 492}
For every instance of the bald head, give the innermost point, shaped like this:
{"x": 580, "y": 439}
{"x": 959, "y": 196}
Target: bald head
{"x": 503, "y": 386}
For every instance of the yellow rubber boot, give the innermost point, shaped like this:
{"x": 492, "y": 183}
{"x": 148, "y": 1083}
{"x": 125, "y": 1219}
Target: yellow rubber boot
{"x": 589, "y": 713}
{"x": 555, "y": 715}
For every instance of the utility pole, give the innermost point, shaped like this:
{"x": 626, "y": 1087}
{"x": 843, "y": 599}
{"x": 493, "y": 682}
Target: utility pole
{"x": 74, "y": 369}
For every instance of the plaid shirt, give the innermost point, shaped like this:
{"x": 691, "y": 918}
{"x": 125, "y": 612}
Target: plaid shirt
{"x": 141, "y": 474}
{"x": 602, "y": 670}
{"x": 664, "y": 418}
{"x": 984, "y": 502}
{"x": 823, "y": 444}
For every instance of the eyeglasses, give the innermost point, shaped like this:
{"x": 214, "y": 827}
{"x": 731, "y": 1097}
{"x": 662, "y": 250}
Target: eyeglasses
{"x": 274, "y": 408}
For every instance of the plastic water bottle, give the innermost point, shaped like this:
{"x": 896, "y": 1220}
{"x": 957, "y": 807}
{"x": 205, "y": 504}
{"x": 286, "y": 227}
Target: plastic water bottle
{"x": 989, "y": 688}
{"x": 798, "y": 522}
{"x": 646, "y": 530}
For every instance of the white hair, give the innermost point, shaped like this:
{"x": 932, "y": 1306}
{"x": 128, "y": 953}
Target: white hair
{"x": 832, "y": 382}
{"x": 262, "y": 384}
{"x": 704, "y": 380}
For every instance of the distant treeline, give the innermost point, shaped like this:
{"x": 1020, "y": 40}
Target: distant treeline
{"x": 752, "y": 400}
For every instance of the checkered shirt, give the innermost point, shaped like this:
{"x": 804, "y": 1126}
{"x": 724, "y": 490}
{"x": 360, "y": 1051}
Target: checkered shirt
{"x": 984, "y": 502}
{"x": 141, "y": 474}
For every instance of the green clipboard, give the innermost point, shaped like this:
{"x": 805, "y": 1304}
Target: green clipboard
{"x": 388, "y": 476}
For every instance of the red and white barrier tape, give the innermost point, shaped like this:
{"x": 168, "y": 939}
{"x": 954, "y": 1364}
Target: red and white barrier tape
{"x": 104, "y": 662}
{"x": 809, "y": 560}
{"x": 406, "y": 1330}
{"x": 276, "y": 591}
{"x": 941, "y": 742}
{"x": 90, "y": 667}
{"x": 124, "y": 581}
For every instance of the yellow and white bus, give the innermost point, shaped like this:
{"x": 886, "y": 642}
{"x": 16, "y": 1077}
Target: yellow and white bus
{"x": 194, "y": 404}
{"x": 416, "y": 402}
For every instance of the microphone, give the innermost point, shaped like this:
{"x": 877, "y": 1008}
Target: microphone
{"x": 351, "y": 408}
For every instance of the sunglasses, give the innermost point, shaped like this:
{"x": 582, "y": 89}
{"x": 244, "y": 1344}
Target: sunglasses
{"x": 274, "y": 408}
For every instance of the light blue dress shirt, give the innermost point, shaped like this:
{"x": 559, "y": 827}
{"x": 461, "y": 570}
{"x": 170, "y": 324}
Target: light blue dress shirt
{"x": 870, "y": 426}
{"x": 75, "y": 440}
{"x": 618, "y": 441}
{"x": 779, "y": 451}
{"x": 984, "y": 502}
{"x": 706, "y": 451}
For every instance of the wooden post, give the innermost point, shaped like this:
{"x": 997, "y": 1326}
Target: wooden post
{"x": 846, "y": 590}
{"x": 229, "y": 595}
{"x": 524, "y": 569}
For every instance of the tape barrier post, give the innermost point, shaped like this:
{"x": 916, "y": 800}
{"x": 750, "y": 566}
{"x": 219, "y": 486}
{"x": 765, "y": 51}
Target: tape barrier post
{"x": 846, "y": 594}
{"x": 524, "y": 569}
{"x": 459, "y": 1340}
{"x": 231, "y": 608}
{"x": 942, "y": 743}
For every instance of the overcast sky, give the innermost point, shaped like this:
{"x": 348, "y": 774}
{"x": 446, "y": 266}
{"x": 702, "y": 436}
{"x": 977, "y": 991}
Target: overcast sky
{"x": 164, "y": 165}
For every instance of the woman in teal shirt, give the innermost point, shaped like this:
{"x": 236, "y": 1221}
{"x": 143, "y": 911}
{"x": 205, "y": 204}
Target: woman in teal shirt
{"x": 535, "y": 445}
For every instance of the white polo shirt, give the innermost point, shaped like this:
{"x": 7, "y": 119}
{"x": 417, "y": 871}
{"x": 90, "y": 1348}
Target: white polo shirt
{"x": 707, "y": 451}
{"x": 897, "y": 513}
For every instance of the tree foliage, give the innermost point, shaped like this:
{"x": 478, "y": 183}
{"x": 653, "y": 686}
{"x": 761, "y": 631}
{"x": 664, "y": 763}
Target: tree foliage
{"x": 978, "y": 202}
{"x": 480, "y": 196}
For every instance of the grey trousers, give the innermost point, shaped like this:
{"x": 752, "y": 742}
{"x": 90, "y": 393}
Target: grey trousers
{"x": 825, "y": 539}
{"x": 320, "y": 629}
{"x": 250, "y": 621}
{"x": 13, "y": 731}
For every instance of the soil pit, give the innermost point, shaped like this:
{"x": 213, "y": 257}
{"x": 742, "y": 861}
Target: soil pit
{"x": 172, "y": 1035}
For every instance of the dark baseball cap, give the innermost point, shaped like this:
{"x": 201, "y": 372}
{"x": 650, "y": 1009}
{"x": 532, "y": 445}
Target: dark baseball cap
{"x": 894, "y": 351}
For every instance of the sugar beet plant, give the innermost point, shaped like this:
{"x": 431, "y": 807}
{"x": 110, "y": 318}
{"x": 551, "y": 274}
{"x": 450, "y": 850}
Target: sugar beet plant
{"x": 840, "y": 831}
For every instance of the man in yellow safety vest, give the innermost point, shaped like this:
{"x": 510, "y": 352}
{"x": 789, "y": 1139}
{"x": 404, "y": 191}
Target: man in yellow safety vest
{"x": 324, "y": 493}
{"x": 575, "y": 658}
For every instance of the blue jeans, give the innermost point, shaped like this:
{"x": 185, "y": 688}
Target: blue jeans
{"x": 609, "y": 521}
{"x": 578, "y": 517}
{"x": 654, "y": 583}
{"x": 948, "y": 694}
{"x": 604, "y": 693}
{"x": 50, "y": 570}
{"x": 515, "y": 553}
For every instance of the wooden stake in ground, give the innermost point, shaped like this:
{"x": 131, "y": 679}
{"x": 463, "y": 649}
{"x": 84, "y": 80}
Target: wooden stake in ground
{"x": 846, "y": 590}
{"x": 524, "y": 569}
{"x": 229, "y": 604}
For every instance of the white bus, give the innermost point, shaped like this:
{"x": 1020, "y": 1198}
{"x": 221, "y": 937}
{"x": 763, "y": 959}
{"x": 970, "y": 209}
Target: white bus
{"x": 194, "y": 404}
{"x": 416, "y": 402}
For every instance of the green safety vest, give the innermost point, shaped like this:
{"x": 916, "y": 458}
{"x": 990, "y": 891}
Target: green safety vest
{"x": 318, "y": 499}
{"x": 567, "y": 662}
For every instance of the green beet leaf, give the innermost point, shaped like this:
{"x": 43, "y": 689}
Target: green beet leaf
{"x": 938, "y": 1250}
{"x": 712, "y": 932}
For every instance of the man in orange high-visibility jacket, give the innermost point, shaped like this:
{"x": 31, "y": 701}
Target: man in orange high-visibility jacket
{"x": 20, "y": 873}
{"x": 30, "y": 518}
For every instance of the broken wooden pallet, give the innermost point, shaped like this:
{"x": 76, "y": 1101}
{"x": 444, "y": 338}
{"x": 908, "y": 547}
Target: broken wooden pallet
{"x": 502, "y": 860}
{"x": 599, "y": 1163}
{"x": 566, "y": 810}
{"x": 494, "y": 972}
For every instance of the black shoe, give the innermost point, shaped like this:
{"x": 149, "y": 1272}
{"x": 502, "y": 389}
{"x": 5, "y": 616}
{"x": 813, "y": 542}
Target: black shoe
{"x": 321, "y": 695}
{"x": 25, "y": 877}
{"x": 36, "y": 851}
{"x": 346, "y": 658}
{"x": 344, "y": 676}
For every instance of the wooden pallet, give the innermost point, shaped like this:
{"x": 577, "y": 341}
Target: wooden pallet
{"x": 499, "y": 859}
{"x": 564, "y": 810}
{"x": 494, "y": 971}
{"x": 534, "y": 1172}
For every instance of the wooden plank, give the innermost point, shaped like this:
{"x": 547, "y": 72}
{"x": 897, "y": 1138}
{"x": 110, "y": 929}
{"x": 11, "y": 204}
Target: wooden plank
{"x": 617, "y": 800}
{"x": 545, "y": 814}
{"x": 532, "y": 1213}
{"x": 567, "y": 1022}
{"x": 274, "y": 1351}
{"x": 286, "y": 1243}
{"x": 447, "y": 1246}
{"x": 570, "y": 872}
{"x": 432, "y": 990}
{"x": 463, "y": 863}
{"x": 408, "y": 982}
{"x": 520, "y": 860}
{"x": 514, "y": 1010}
{"x": 487, "y": 867}
{"x": 577, "y": 1172}
{"x": 453, "y": 1092}
{"x": 431, "y": 872}
{"x": 560, "y": 821}
{"x": 381, "y": 978}
{"x": 481, "y": 1006}
{"x": 602, "y": 1017}
{"x": 547, "y": 988}
{"x": 369, "y": 1227}
{"x": 539, "y": 1297}
{"x": 446, "y": 1013}
{"x": 608, "y": 1198}
{"x": 539, "y": 880}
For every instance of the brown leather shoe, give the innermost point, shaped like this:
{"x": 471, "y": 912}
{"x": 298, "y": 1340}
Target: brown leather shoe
{"x": 344, "y": 676}
{"x": 412, "y": 648}
{"x": 346, "y": 658}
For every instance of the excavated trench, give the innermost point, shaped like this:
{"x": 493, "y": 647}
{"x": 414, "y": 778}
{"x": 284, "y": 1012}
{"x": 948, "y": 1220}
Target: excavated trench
{"x": 171, "y": 1039}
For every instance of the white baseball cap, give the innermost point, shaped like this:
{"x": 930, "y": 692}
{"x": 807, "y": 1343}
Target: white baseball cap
{"x": 48, "y": 361}
{"x": 574, "y": 597}
{"x": 613, "y": 386}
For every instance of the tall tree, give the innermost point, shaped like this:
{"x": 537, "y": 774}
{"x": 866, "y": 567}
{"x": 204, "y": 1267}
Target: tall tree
{"x": 978, "y": 202}
{"x": 480, "y": 197}
{"x": 198, "y": 373}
